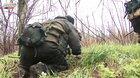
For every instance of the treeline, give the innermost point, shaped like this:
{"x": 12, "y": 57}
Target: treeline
{"x": 105, "y": 24}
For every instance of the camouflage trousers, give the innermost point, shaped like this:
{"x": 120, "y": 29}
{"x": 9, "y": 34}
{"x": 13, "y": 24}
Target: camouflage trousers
{"x": 136, "y": 26}
{"x": 139, "y": 38}
{"x": 47, "y": 53}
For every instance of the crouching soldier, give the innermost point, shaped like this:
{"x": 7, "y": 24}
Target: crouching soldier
{"x": 134, "y": 19}
{"x": 132, "y": 10}
{"x": 47, "y": 43}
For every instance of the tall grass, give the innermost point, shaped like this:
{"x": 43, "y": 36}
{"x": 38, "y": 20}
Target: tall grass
{"x": 8, "y": 64}
{"x": 114, "y": 60}
{"x": 98, "y": 60}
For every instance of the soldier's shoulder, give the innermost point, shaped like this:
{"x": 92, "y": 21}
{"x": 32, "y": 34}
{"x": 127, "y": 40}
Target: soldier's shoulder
{"x": 45, "y": 23}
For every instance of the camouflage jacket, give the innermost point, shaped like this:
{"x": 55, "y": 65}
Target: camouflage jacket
{"x": 62, "y": 33}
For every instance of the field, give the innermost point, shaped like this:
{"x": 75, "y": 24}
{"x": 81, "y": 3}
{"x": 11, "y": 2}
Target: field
{"x": 98, "y": 61}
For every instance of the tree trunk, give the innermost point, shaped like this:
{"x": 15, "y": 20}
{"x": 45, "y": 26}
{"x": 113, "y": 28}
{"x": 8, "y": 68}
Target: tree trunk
{"x": 22, "y": 10}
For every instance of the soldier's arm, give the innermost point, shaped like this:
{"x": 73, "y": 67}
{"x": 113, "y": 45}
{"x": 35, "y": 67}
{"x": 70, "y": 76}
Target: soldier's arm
{"x": 73, "y": 40}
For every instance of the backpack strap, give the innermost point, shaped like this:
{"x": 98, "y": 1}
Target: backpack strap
{"x": 53, "y": 30}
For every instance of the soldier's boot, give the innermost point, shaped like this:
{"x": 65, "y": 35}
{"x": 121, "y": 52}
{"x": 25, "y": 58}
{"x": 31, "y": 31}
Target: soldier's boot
{"x": 37, "y": 69}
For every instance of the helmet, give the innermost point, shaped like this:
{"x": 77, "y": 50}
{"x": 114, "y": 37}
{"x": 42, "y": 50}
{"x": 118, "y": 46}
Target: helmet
{"x": 60, "y": 17}
{"x": 70, "y": 19}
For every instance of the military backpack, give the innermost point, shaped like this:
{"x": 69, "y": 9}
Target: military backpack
{"x": 32, "y": 36}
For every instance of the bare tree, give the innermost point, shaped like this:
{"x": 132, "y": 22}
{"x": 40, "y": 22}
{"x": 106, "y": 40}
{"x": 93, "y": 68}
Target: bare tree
{"x": 76, "y": 10}
{"x": 6, "y": 44}
{"x": 64, "y": 5}
{"x": 22, "y": 10}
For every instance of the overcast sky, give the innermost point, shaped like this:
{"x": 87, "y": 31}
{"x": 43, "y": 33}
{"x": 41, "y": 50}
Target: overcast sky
{"x": 85, "y": 9}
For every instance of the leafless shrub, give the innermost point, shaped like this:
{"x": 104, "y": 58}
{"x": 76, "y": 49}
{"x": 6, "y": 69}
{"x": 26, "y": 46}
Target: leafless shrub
{"x": 113, "y": 27}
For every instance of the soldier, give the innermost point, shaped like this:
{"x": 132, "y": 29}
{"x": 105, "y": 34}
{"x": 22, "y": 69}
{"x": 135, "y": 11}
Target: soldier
{"x": 133, "y": 11}
{"x": 135, "y": 22}
{"x": 59, "y": 33}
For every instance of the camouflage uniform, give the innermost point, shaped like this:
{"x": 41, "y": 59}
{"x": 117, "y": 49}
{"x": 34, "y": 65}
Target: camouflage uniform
{"x": 134, "y": 18}
{"x": 60, "y": 33}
